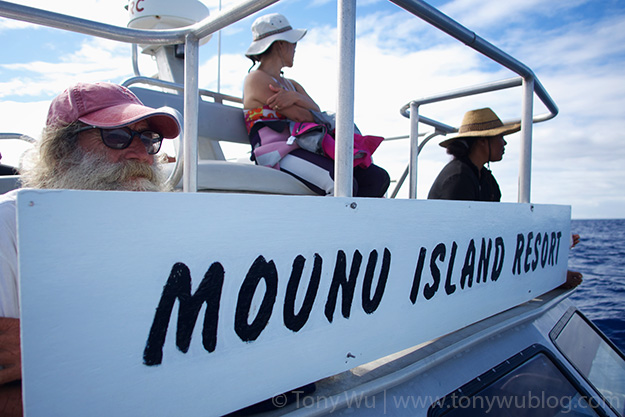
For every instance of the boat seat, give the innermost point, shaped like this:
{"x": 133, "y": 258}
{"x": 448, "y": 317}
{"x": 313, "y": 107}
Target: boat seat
{"x": 9, "y": 182}
{"x": 224, "y": 176}
{"x": 216, "y": 121}
{"x": 220, "y": 122}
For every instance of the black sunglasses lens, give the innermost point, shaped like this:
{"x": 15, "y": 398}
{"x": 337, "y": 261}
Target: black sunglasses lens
{"x": 152, "y": 141}
{"x": 122, "y": 138}
{"x": 116, "y": 138}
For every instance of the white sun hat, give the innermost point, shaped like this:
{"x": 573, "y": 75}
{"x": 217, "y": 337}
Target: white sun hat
{"x": 270, "y": 28}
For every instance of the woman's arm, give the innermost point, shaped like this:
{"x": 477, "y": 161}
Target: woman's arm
{"x": 260, "y": 89}
{"x": 291, "y": 104}
{"x": 256, "y": 89}
{"x": 285, "y": 98}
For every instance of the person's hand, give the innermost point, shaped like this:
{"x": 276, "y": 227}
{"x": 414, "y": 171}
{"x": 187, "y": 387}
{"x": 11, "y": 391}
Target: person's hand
{"x": 281, "y": 99}
{"x": 10, "y": 367}
{"x": 573, "y": 279}
{"x": 10, "y": 356}
{"x": 575, "y": 237}
{"x": 11, "y": 400}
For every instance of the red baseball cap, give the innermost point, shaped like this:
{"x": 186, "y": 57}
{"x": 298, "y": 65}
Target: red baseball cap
{"x": 108, "y": 105}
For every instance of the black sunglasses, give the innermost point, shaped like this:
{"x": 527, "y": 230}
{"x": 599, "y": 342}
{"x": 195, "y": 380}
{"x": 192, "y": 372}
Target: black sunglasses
{"x": 121, "y": 138}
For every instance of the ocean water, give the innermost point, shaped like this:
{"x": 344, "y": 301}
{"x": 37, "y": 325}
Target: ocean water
{"x": 600, "y": 256}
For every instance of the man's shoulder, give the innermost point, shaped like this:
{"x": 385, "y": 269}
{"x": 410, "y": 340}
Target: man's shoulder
{"x": 7, "y": 204}
{"x": 7, "y": 212}
{"x": 8, "y": 198}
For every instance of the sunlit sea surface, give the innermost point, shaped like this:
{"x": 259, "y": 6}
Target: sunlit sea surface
{"x": 600, "y": 256}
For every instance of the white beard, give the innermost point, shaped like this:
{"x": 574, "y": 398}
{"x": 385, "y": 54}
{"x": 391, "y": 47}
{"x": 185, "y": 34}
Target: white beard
{"x": 89, "y": 171}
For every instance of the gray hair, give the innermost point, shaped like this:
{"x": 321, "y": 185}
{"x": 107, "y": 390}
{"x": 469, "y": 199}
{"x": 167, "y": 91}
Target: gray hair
{"x": 50, "y": 156}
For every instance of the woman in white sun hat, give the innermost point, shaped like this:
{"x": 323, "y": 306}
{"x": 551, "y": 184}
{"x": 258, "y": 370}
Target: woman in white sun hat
{"x": 271, "y": 102}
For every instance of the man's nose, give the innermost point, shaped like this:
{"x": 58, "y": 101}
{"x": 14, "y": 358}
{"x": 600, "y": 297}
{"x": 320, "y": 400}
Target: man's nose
{"x": 138, "y": 152}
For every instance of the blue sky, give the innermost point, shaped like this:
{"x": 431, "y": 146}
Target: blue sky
{"x": 575, "y": 47}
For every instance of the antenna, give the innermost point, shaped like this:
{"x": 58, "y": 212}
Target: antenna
{"x": 219, "y": 57}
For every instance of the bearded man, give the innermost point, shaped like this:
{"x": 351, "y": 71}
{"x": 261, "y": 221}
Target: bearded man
{"x": 97, "y": 137}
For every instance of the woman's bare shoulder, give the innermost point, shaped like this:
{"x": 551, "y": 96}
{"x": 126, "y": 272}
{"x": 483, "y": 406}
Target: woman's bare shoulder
{"x": 257, "y": 77}
{"x": 256, "y": 89}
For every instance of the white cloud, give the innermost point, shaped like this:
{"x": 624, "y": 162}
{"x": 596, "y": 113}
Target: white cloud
{"x": 9, "y": 24}
{"x": 105, "y": 11}
{"x": 482, "y": 15}
{"x": 96, "y": 60}
{"x": 24, "y": 119}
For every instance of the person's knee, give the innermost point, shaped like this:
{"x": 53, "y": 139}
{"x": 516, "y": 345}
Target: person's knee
{"x": 382, "y": 181}
{"x": 372, "y": 181}
{"x": 386, "y": 180}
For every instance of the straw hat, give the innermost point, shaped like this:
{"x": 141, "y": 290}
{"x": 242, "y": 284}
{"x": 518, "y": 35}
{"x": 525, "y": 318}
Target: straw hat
{"x": 482, "y": 123}
{"x": 270, "y": 28}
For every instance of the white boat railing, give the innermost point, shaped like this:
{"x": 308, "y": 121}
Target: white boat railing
{"x": 346, "y": 21}
{"x": 416, "y": 118}
{"x": 530, "y": 85}
{"x": 217, "y": 97}
{"x": 19, "y": 136}
{"x": 199, "y": 30}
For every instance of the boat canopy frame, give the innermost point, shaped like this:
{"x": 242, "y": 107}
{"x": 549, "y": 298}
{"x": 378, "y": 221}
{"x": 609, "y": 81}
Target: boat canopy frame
{"x": 346, "y": 22}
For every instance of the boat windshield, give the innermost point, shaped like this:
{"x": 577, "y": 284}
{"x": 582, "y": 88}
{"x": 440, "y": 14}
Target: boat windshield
{"x": 529, "y": 384}
{"x": 595, "y": 358}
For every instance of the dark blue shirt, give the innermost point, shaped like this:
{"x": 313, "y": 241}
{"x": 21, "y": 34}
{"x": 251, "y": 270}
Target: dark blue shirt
{"x": 459, "y": 180}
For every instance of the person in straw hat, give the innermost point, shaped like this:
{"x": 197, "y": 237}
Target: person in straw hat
{"x": 271, "y": 101}
{"x": 480, "y": 140}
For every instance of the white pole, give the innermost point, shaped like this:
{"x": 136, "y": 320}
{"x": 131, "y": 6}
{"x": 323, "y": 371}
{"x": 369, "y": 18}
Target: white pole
{"x": 191, "y": 106}
{"x": 343, "y": 163}
{"x": 219, "y": 57}
{"x": 525, "y": 163}
{"x": 414, "y": 149}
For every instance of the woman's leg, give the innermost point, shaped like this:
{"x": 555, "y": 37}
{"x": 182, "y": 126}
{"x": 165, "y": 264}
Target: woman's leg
{"x": 8, "y": 170}
{"x": 315, "y": 171}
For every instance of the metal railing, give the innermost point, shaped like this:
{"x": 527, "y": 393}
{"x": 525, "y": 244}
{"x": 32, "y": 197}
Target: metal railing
{"x": 416, "y": 118}
{"x": 18, "y": 136}
{"x": 217, "y": 97}
{"x": 528, "y": 81}
{"x": 346, "y": 19}
{"x": 198, "y": 30}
